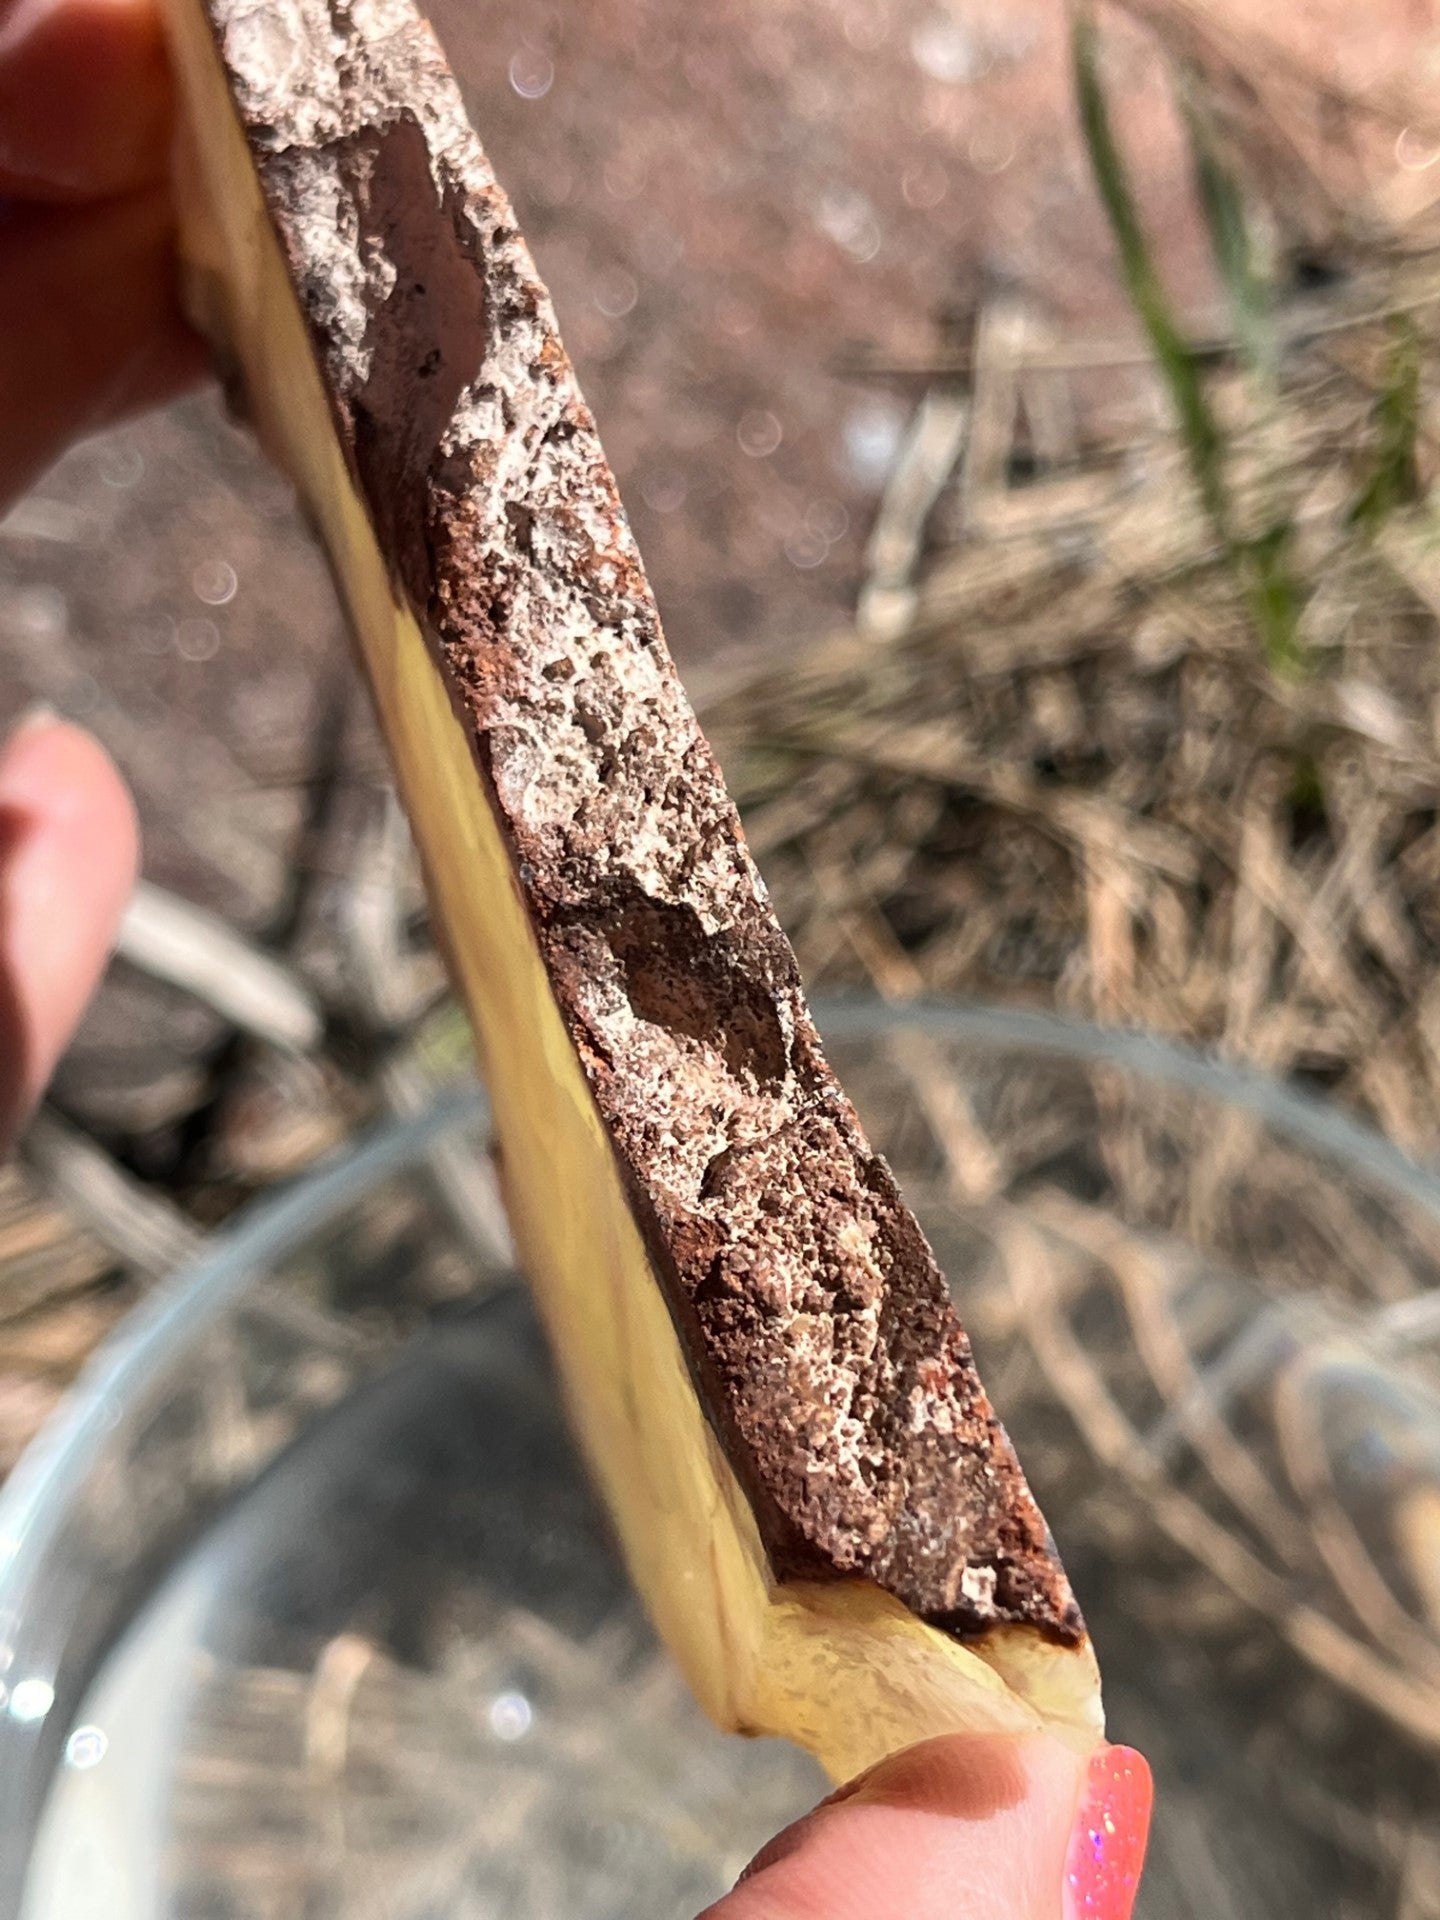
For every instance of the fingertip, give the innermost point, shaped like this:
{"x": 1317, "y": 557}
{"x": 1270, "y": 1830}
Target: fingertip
{"x": 69, "y": 854}
{"x": 67, "y": 779}
{"x": 964, "y": 1827}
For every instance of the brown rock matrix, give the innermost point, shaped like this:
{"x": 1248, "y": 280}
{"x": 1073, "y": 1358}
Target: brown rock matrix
{"x": 818, "y": 1330}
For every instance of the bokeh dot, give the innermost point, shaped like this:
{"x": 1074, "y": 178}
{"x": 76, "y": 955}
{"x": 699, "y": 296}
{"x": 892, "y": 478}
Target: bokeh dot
{"x": 511, "y": 1716}
{"x": 86, "y": 1748}
{"x": 759, "y": 433}
{"x": 215, "y": 582}
{"x": 532, "y": 73}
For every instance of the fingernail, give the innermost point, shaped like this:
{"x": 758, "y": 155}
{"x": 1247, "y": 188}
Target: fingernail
{"x": 1107, "y": 1848}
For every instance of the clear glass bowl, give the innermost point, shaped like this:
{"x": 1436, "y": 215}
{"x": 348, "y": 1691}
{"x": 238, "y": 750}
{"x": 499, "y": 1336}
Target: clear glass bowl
{"x": 305, "y": 1609}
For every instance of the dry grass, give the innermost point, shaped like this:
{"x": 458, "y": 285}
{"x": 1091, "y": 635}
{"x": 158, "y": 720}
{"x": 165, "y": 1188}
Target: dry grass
{"x": 1065, "y": 759}
{"x": 1062, "y": 761}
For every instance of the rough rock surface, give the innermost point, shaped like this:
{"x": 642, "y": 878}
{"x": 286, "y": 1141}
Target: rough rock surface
{"x": 819, "y": 1330}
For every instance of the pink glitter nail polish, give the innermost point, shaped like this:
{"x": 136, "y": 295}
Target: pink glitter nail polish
{"x": 1107, "y": 1849}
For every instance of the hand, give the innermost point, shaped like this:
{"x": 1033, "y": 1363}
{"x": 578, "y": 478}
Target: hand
{"x": 92, "y": 328}
{"x": 970, "y": 1827}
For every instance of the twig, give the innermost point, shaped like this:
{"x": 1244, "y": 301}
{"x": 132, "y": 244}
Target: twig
{"x": 1402, "y": 1697}
{"x": 190, "y": 948}
{"x": 925, "y": 463}
{"x": 134, "y": 1222}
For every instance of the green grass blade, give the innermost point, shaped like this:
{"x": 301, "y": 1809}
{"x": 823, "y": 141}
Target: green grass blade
{"x": 1223, "y": 206}
{"x": 1260, "y": 566}
{"x": 1394, "y": 480}
{"x": 1274, "y": 598}
{"x": 1203, "y": 444}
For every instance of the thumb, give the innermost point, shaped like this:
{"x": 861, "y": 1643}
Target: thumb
{"x": 967, "y": 1827}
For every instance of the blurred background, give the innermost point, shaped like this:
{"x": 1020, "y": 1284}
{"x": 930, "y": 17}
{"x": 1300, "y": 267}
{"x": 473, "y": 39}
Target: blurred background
{"x": 1030, "y": 423}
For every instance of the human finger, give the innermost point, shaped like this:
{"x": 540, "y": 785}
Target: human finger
{"x": 966, "y": 1827}
{"x": 85, "y": 99}
{"x": 93, "y": 328}
{"x": 69, "y": 849}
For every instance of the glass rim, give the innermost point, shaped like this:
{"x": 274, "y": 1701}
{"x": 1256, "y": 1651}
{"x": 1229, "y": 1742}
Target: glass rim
{"x": 179, "y": 1307}
{"x": 32, "y": 1503}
